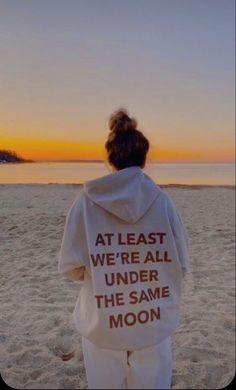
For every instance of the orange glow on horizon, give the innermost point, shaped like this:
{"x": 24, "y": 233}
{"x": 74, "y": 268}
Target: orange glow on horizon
{"x": 191, "y": 155}
{"x": 49, "y": 149}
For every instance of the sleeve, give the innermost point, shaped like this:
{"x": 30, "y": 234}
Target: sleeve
{"x": 180, "y": 236}
{"x": 73, "y": 252}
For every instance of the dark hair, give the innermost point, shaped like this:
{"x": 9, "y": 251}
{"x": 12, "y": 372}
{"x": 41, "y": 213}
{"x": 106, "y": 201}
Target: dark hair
{"x": 126, "y": 145}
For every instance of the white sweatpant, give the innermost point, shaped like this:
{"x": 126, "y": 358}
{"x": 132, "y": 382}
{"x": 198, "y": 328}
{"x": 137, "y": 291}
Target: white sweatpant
{"x": 148, "y": 368}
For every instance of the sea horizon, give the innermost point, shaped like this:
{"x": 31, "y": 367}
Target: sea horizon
{"x": 78, "y": 172}
{"x": 149, "y": 162}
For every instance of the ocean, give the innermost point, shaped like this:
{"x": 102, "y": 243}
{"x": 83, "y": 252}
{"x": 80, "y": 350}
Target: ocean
{"x": 79, "y": 172}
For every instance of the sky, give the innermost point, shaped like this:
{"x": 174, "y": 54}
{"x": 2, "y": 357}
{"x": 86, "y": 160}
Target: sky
{"x": 66, "y": 65}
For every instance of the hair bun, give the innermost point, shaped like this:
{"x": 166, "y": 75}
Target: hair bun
{"x": 120, "y": 121}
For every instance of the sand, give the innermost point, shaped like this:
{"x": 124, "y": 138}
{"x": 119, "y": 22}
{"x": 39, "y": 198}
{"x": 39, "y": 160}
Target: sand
{"x": 36, "y": 328}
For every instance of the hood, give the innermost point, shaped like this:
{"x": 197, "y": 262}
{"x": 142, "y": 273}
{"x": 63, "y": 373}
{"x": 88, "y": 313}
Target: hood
{"x": 127, "y": 194}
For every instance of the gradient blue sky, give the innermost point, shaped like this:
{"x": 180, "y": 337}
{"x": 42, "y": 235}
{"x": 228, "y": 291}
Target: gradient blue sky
{"x": 67, "y": 64}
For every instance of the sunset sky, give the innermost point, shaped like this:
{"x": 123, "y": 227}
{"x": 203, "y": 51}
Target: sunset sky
{"x": 67, "y": 64}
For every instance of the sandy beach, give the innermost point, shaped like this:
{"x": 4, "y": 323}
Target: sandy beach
{"x": 36, "y": 328}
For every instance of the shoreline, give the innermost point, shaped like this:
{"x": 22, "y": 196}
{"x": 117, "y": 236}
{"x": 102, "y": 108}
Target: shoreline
{"x": 181, "y": 186}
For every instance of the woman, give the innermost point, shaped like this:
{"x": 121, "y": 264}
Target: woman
{"x": 125, "y": 241}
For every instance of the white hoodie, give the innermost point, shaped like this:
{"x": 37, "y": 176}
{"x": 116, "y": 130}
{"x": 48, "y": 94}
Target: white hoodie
{"x": 124, "y": 238}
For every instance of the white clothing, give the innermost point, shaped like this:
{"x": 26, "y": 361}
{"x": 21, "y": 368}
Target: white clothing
{"x": 127, "y": 236}
{"x": 148, "y": 368}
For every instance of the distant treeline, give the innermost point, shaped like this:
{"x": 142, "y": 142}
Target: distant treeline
{"x": 9, "y": 156}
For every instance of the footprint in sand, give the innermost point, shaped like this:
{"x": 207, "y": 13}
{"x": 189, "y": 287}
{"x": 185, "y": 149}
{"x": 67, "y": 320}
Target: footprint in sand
{"x": 67, "y": 356}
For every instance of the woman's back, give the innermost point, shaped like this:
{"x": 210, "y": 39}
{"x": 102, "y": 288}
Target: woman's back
{"x": 125, "y": 241}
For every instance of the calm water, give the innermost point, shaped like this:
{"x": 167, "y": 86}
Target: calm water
{"x": 55, "y": 172}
